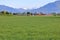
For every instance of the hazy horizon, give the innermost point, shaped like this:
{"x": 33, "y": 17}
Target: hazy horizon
{"x": 26, "y": 4}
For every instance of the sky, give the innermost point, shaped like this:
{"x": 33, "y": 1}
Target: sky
{"x": 26, "y": 4}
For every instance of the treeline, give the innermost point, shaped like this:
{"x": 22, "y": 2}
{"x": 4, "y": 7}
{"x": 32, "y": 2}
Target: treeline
{"x": 5, "y": 13}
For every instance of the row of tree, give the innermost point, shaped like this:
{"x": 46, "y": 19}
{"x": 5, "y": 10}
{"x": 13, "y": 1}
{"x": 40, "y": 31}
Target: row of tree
{"x": 5, "y": 13}
{"x": 26, "y": 13}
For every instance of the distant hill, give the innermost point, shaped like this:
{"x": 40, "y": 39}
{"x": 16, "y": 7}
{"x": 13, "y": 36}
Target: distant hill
{"x": 10, "y": 9}
{"x": 49, "y": 8}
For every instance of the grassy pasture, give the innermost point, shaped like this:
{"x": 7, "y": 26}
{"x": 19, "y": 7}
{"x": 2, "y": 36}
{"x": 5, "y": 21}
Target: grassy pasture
{"x": 29, "y": 28}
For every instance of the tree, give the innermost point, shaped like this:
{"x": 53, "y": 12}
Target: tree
{"x": 54, "y": 14}
{"x": 14, "y": 13}
{"x": 58, "y": 14}
{"x": 5, "y": 13}
{"x": 28, "y": 13}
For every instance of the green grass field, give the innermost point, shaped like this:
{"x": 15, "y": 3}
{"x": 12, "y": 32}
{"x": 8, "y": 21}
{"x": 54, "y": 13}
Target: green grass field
{"x": 29, "y": 28}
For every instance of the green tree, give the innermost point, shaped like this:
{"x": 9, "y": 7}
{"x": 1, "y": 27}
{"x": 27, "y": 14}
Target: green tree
{"x": 5, "y": 13}
{"x": 28, "y": 13}
{"x": 54, "y": 14}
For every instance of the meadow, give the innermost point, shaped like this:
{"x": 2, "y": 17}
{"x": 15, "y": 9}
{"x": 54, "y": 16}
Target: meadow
{"x": 29, "y": 28}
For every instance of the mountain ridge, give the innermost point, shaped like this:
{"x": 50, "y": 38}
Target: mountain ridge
{"x": 10, "y": 9}
{"x": 49, "y": 8}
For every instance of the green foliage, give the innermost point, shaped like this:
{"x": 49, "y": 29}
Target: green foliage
{"x": 29, "y": 28}
{"x": 58, "y": 14}
{"x": 28, "y": 13}
{"x": 54, "y": 14}
{"x": 5, "y": 13}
